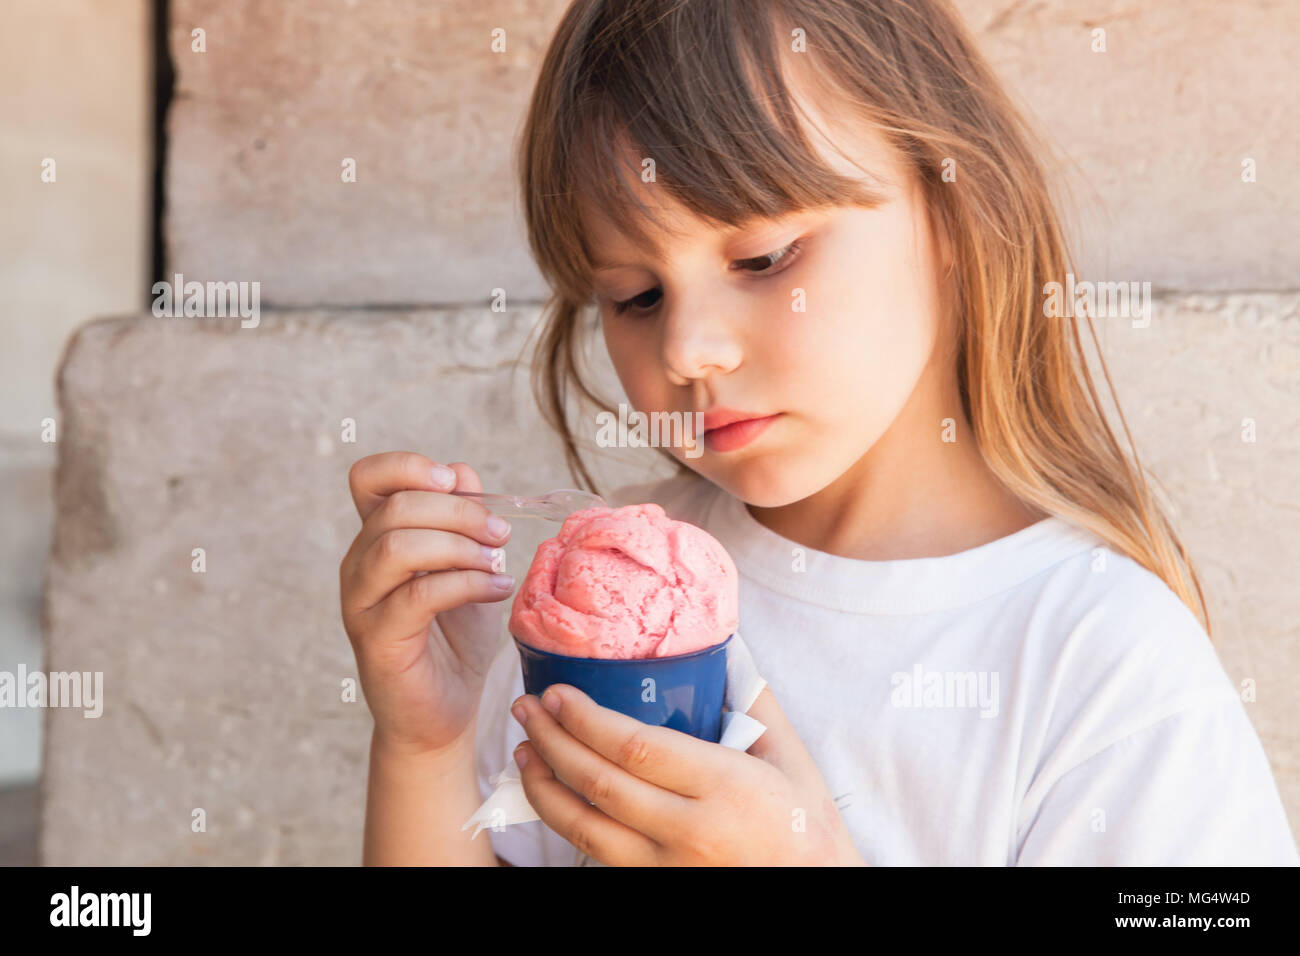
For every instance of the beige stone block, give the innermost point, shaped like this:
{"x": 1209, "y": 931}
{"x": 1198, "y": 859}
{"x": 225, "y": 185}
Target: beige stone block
{"x": 75, "y": 92}
{"x": 222, "y": 688}
{"x": 75, "y": 179}
{"x": 410, "y": 90}
{"x": 1150, "y": 135}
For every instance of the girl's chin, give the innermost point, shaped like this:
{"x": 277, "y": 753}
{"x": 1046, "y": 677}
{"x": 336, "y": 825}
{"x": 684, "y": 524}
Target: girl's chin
{"x": 762, "y": 492}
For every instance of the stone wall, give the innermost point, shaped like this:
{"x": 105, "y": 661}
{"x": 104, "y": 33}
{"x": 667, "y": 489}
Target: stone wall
{"x": 75, "y": 233}
{"x": 1152, "y": 134}
{"x": 198, "y": 434}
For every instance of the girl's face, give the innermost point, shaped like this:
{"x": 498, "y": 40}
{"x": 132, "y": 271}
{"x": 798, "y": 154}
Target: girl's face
{"x": 827, "y": 319}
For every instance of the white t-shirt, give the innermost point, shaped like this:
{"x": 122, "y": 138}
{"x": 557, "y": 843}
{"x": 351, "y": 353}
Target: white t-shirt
{"x": 1038, "y": 700}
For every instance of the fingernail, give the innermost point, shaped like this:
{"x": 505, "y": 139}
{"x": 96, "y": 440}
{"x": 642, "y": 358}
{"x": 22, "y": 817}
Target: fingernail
{"x": 442, "y": 476}
{"x": 497, "y": 526}
{"x": 521, "y": 756}
{"x": 551, "y": 701}
{"x": 503, "y": 581}
{"x": 521, "y": 715}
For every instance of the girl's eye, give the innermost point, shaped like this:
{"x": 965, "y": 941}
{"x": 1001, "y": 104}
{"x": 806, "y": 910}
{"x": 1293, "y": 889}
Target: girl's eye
{"x": 767, "y": 262}
{"x": 785, "y": 255}
{"x": 621, "y": 307}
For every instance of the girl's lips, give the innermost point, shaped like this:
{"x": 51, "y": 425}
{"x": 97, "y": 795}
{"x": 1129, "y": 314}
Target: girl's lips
{"x": 738, "y": 434}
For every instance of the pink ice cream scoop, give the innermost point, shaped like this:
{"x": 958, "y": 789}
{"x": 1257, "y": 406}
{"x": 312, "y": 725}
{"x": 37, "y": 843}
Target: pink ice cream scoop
{"x": 626, "y": 583}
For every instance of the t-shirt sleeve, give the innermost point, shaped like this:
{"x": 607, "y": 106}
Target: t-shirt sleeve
{"x": 1146, "y": 755}
{"x": 1191, "y": 789}
{"x": 496, "y": 736}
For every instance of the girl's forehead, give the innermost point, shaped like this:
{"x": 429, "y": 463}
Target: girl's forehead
{"x": 604, "y": 233}
{"x": 837, "y": 125}
{"x": 847, "y": 142}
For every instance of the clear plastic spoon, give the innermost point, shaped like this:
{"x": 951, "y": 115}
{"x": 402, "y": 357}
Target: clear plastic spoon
{"x": 554, "y": 505}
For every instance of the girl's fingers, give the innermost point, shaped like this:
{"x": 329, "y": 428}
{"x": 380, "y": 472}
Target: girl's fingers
{"x": 411, "y": 607}
{"x": 373, "y": 478}
{"x": 591, "y": 831}
{"x": 466, "y": 477}
{"x": 400, "y": 554}
{"x": 672, "y": 761}
{"x": 612, "y": 766}
{"x": 439, "y": 512}
{"x": 419, "y": 552}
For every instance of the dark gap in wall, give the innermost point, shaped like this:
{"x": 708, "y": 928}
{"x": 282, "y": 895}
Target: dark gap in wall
{"x": 163, "y": 88}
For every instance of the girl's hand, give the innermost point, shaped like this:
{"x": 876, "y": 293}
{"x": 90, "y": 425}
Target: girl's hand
{"x": 420, "y": 553}
{"x": 664, "y": 798}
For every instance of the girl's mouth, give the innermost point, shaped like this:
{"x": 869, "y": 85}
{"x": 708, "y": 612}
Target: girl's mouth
{"x": 738, "y": 434}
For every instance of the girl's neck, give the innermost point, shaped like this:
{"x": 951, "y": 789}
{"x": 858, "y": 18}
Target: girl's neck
{"x": 855, "y": 528}
{"x": 911, "y": 496}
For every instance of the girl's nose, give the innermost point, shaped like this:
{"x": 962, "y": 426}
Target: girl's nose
{"x": 699, "y": 341}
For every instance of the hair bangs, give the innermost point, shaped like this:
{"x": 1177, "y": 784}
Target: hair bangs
{"x": 720, "y": 134}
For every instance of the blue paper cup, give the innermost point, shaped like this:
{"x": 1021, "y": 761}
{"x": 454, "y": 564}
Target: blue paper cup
{"x": 683, "y": 692}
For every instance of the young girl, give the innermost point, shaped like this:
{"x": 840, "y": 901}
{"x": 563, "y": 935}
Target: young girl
{"x": 820, "y": 223}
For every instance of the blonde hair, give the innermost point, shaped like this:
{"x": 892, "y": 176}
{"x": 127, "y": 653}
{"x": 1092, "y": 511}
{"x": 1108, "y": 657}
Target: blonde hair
{"x": 697, "y": 86}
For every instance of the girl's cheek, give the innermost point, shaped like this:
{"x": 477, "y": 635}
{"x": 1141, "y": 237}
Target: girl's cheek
{"x": 640, "y": 374}
{"x": 628, "y": 360}
{"x": 820, "y": 318}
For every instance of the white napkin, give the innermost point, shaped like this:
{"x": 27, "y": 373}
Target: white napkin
{"x": 508, "y": 804}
